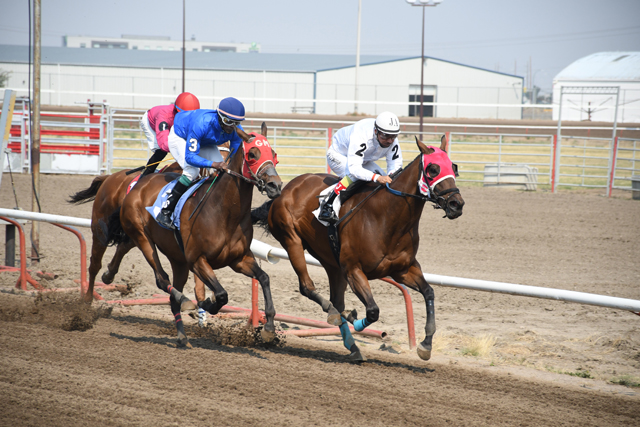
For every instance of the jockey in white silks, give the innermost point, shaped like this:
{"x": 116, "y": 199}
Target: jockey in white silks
{"x": 354, "y": 151}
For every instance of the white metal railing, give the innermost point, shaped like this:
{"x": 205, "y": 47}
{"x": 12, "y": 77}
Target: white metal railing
{"x": 273, "y": 255}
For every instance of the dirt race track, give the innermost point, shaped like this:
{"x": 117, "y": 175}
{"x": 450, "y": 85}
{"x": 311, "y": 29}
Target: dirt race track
{"x": 498, "y": 359}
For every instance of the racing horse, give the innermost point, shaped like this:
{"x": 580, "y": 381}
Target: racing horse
{"x": 107, "y": 193}
{"x": 378, "y": 237}
{"x": 215, "y": 230}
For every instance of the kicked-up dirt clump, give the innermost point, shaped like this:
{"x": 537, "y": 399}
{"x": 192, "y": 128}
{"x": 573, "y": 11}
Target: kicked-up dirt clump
{"x": 62, "y": 311}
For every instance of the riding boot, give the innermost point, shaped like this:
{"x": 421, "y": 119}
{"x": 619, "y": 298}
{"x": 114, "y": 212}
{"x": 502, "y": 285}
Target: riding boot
{"x": 326, "y": 213}
{"x": 152, "y": 164}
{"x": 164, "y": 217}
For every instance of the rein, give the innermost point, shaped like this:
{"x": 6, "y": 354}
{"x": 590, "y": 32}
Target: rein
{"x": 379, "y": 187}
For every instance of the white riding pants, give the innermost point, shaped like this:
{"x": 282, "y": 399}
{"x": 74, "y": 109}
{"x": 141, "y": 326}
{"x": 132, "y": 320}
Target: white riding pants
{"x": 152, "y": 140}
{"x": 338, "y": 164}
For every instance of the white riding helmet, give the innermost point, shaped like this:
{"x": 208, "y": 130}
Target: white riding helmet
{"x": 388, "y": 122}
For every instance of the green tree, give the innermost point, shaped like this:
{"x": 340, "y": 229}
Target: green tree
{"x": 4, "y": 78}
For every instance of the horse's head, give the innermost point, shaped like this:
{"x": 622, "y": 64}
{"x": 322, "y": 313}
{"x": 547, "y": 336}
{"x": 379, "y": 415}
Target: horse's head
{"x": 260, "y": 163}
{"x": 438, "y": 178}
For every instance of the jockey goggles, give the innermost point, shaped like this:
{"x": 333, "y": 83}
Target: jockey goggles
{"x": 227, "y": 121}
{"x": 386, "y": 136}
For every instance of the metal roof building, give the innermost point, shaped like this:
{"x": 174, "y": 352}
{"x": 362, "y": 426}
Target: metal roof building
{"x": 593, "y": 73}
{"x": 269, "y": 83}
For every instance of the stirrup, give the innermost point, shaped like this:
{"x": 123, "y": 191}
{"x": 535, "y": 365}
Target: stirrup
{"x": 164, "y": 219}
{"x": 328, "y": 215}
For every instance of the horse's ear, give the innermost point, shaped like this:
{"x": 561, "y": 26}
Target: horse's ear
{"x": 242, "y": 134}
{"x": 263, "y": 129}
{"x": 444, "y": 144}
{"x": 423, "y": 148}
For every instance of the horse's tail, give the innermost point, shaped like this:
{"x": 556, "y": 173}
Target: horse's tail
{"x": 260, "y": 214}
{"x": 89, "y": 194}
{"x": 112, "y": 232}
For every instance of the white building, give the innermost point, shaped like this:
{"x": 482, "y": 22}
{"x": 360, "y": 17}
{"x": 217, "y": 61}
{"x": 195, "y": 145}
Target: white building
{"x": 156, "y": 43}
{"x": 590, "y": 80}
{"x": 268, "y": 83}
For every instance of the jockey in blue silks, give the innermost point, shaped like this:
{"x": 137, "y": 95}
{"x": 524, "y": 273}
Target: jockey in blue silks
{"x": 193, "y": 142}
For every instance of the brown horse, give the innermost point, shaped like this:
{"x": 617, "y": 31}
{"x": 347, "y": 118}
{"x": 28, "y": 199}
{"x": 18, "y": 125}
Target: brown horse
{"x": 215, "y": 230}
{"x": 379, "y": 237}
{"x": 107, "y": 193}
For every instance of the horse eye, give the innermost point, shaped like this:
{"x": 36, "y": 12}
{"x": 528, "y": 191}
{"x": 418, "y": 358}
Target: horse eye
{"x": 433, "y": 170}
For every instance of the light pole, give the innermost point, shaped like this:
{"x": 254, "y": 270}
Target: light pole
{"x": 355, "y": 108}
{"x": 423, "y": 4}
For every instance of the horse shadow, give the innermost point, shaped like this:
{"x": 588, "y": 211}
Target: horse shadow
{"x": 204, "y": 343}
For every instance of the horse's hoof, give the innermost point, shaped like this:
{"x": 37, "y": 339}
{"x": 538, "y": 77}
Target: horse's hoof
{"x": 106, "y": 278}
{"x": 334, "y": 318}
{"x": 267, "y": 336}
{"x": 184, "y": 343}
{"x": 357, "y": 357}
{"x": 423, "y": 352}
{"x": 351, "y": 316}
{"x": 187, "y": 305}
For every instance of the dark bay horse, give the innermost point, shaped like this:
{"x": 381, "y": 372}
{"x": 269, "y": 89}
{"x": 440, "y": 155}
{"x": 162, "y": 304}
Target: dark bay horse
{"x": 378, "y": 239}
{"x": 107, "y": 193}
{"x": 215, "y": 230}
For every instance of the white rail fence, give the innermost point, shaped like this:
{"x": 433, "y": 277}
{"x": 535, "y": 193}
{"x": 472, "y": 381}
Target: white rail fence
{"x": 273, "y": 255}
{"x": 522, "y": 155}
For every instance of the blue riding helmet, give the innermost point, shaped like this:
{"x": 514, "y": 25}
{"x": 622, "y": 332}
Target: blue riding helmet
{"x": 231, "y": 111}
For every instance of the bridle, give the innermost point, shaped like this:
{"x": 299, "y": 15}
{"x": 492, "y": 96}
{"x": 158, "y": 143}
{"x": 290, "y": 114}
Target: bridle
{"x": 439, "y": 199}
{"x": 255, "y": 180}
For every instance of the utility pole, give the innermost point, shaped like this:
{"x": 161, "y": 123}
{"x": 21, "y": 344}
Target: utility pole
{"x": 35, "y": 137}
{"x": 183, "y": 42}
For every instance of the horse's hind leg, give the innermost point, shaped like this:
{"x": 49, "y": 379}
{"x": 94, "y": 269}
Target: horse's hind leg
{"x": 95, "y": 264}
{"x": 112, "y": 268}
{"x": 162, "y": 279}
{"x": 249, "y": 267}
{"x": 180, "y": 276}
{"x": 360, "y": 286}
{"x": 204, "y": 272}
{"x": 414, "y": 279}
{"x": 293, "y": 245}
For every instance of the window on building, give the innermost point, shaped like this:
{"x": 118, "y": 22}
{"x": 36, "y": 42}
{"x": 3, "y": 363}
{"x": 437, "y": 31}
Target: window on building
{"x": 219, "y": 48}
{"x": 134, "y": 47}
{"x": 83, "y": 45}
{"x": 109, "y": 45}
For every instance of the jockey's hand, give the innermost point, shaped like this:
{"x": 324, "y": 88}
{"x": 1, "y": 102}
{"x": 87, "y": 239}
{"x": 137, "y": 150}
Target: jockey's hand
{"x": 383, "y": 179}
{"x": 218, "y": 165}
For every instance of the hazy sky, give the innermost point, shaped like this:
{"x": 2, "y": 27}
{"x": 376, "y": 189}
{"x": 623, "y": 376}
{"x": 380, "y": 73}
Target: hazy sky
{"x": 492, "y": 34}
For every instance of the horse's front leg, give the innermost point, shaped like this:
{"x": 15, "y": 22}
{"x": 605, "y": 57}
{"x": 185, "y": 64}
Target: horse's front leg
{"x": 204, "y": 272}
{"x": 180, "y": 276}
{"x": 249, "y": 267}
{"x": 200, "y": 297}
{"x": 414, "y": 279}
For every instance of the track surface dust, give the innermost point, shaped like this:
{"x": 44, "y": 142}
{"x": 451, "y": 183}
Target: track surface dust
{"x": 63, "y": 364}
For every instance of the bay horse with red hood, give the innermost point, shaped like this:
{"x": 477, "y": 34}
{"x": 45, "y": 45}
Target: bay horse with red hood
{"x": 107, "y": 193}
{"x": 215, "y": 230}
{"x": 378, "y": 235}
